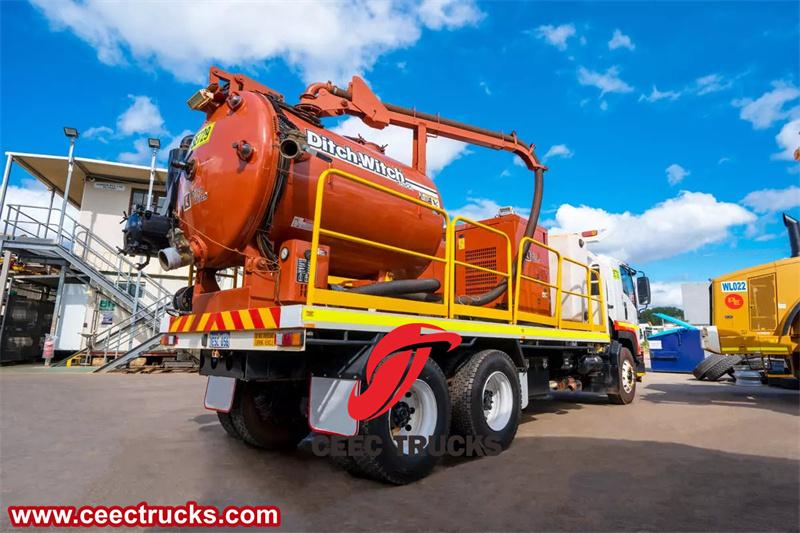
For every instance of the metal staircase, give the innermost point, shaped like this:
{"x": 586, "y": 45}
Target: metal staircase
{"x": 29, "y": 233}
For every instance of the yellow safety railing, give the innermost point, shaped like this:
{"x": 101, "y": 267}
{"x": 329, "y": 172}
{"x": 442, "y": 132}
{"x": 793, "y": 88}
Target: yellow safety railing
{"x": 553, "y": 319}
{"x": 317, "y": 295}
{"x": 458, "y": 309}
{"x": 449, "y": 306}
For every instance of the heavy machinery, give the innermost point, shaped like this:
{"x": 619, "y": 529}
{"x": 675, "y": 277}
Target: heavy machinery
{"x": 339, "y": 245}
{"x": 756, "y": 317}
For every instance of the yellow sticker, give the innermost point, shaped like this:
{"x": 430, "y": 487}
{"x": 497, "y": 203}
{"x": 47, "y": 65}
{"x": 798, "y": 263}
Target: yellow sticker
{"x": 616, "y": 273}
{"x": 461, "y": 243}
{"x": 203, "y": 136}
{"x": 263, "y": 339}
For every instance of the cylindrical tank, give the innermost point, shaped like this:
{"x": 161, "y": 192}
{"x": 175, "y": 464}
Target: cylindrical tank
{"x": 222, "y": 202}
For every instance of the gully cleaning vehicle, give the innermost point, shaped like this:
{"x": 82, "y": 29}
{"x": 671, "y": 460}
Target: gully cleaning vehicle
{"x": 339, "y": 245}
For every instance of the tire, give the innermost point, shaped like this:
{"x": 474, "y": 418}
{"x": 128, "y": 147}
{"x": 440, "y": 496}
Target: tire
{"x": 703, "y": 366}
{"x": 390, "y": 464}
{"x": 267, "y": 415}
{"x": 722, "y": 367}
{"x": 626, "y": 391}
{"x": 226, "y": 422}
{"x": 486, "y": 398}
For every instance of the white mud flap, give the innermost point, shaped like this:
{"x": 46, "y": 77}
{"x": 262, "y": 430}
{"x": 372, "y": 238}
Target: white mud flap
{"x": 327, "y": 406}
{"x": 523, "y": 390}
{"x": 219, "y": 393}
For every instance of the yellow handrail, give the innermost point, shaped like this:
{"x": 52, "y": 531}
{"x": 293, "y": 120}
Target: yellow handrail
{"x": 448, "y": 307}
{"x": 317, "y": 295}
{"x": 555, "y": 319}
{"x": 458, "y": 309}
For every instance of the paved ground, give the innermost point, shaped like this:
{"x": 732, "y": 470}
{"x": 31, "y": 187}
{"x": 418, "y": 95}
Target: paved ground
{"x": 685, "y": 456}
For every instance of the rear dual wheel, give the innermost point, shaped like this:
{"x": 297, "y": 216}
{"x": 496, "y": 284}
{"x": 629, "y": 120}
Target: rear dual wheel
{"x": 486, "y": 398}
{"x": 266, "y": 415}
{"x": 424, "y": 412}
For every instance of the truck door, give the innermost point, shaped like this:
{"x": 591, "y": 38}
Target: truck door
{"x": 628, "y": 303}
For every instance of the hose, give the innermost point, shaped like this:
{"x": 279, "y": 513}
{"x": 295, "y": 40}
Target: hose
{"x": 530, "y": 228}
{"x": 398, "y": 287}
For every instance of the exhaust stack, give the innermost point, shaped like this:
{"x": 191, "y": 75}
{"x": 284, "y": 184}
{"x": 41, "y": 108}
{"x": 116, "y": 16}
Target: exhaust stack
{"x": 793, "y": 228}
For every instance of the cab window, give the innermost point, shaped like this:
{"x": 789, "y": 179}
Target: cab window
{"x": 627, "y": 283}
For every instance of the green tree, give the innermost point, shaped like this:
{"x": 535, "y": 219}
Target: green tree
{"x": 647, "y": 315}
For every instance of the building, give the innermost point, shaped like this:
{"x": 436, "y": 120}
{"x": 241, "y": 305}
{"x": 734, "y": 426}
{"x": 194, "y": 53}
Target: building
{"x": 62, "y": 274}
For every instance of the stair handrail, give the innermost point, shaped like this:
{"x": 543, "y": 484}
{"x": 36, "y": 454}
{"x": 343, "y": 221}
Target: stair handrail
{"x": 86, "y": 243}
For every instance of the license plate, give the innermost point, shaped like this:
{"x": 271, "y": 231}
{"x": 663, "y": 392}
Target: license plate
{"x": 219, "y": 340}
{"x": 219, "y": 393}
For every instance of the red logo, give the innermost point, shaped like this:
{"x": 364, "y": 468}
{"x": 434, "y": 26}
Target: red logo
{"x": 395, "y": 362}
{"x": 734, "y": 301}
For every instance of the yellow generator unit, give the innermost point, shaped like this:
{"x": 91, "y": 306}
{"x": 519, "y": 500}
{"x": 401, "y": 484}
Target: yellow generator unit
{"x": 756, "y": 311}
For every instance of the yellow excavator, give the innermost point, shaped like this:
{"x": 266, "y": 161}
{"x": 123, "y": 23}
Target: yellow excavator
{"x": 755, "y": 318}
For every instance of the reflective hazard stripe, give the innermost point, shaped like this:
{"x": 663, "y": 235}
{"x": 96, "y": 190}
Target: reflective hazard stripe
{"x": 244, "y": 319}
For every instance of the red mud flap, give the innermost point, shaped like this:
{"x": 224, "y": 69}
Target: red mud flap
{"x": 327, "y": 406}
{"x": 219, "y": 393}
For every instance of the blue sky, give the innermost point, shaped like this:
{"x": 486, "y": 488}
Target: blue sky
{"x": 672, "y": 125}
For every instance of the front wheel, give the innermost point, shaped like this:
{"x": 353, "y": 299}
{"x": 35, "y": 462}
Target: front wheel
{"x": 626, "y": 388}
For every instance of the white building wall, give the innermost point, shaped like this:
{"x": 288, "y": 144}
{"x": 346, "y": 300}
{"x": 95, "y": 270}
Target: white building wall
{"x": 101, "y": 211}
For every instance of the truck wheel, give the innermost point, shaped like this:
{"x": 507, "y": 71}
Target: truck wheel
{"x": 226, "y": 422}
{"x": 722, "y": 367}
{"x": 702, "y": 367}
{"x": 486, "y": 398}
{"x": 626, "y": 391}
{"x": 423, "y": 412}
{"x": 267, "y": 415}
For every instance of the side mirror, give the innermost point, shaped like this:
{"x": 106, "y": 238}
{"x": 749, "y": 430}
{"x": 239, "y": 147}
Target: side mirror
{"x": 643, "y": 290}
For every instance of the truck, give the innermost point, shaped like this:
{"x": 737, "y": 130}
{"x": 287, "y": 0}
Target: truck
{"x": 755, "y": 318}
{"x": 343, "y": 251}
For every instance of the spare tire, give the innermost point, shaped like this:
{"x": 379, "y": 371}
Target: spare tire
{"x": 722, "y": 367}
{"x": 704, "y": 365}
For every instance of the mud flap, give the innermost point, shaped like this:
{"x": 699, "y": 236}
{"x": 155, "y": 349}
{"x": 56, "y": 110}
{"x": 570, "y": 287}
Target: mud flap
{"x": 327, "y": 406}
{"x": 523, "y": 389}
{"x": 219, "y": 394}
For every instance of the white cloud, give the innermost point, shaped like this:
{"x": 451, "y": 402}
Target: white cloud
{"x": 773, "y": 200}
{"x": 603, "y": 105}
{"x": 101, "y": 133}
{"x": 607, "y": 82}
{"x": 441, "y": 151}
{"x": 142, "y": 153}
{"x": 483, "y": 208}
{"x": 676, "y": 173}
{"x": 769, "y": 107}
{"x": 33, "y": 193}
{"x": 340, "y": 38}
{"x": 559, "y": 150}
{"x": 687, "y": 222}
{"x": 485, "y": 87}
{"x": 656, "y": 95}
{"x": 620, "y": 40}
{"x": 449, "y": 14}
{"x": 723, "y": 160}
{"x": 143, "y": 116}
{"x": 666, "y": 293}
{"x": 556, "y": 35}
{"x": 712, "y": 83}
{"x": 788, "y": 140}
{"x": 139, "y": 156}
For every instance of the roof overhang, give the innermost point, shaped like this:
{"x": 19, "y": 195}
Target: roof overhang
{"x": 51, "y": 170}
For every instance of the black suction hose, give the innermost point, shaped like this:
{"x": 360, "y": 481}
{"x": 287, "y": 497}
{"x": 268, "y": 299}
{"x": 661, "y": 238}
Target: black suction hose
{"x": 397, "y": 287}
{"x": 533, "y": 220}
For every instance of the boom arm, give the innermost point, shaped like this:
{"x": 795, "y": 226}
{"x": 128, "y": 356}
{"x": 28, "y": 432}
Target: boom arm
{"x": 327, "y": 100}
